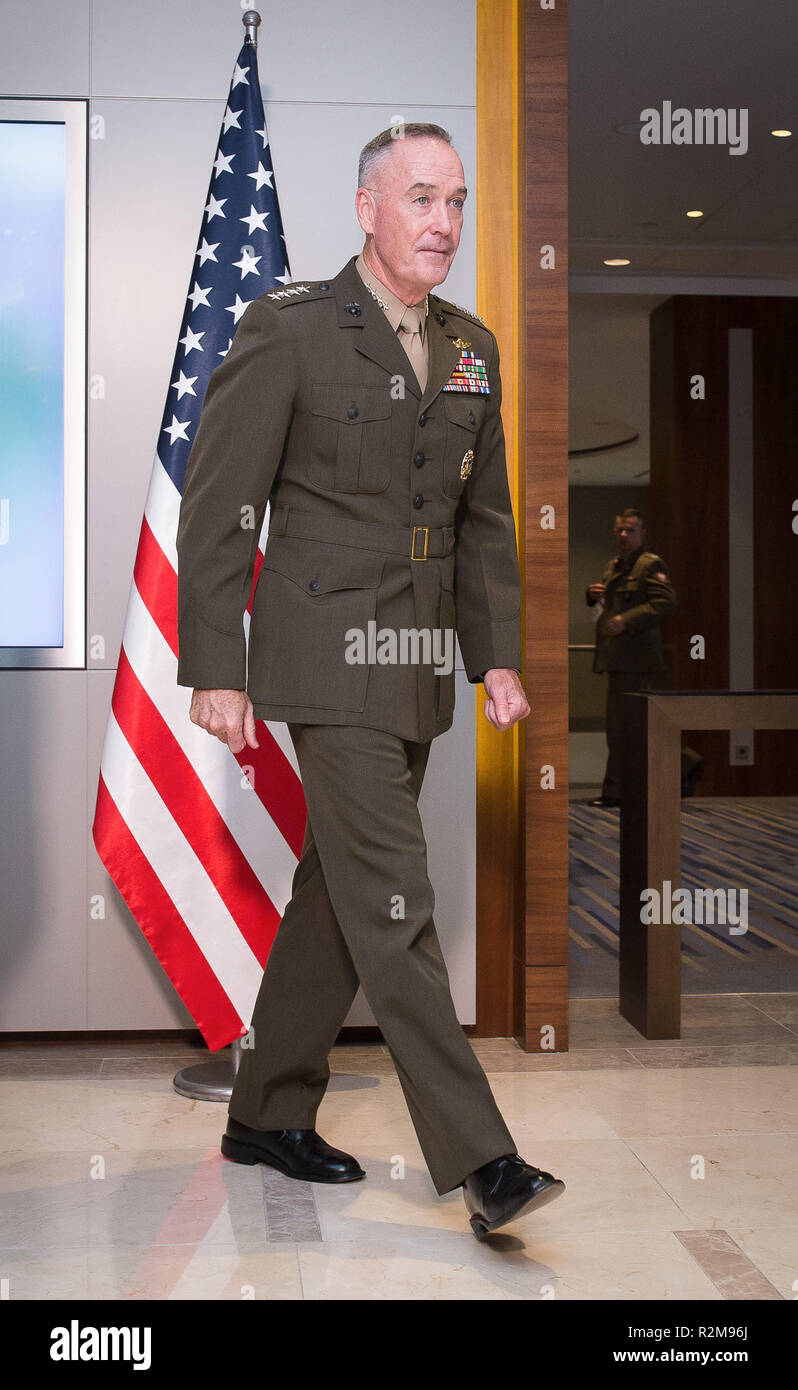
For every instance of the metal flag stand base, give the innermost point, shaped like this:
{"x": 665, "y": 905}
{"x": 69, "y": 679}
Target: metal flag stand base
{"x": 211, "y": 1080}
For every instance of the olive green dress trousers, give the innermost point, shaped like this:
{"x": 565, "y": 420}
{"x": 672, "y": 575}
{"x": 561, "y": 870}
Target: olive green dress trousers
{"x": 361, "y": 911}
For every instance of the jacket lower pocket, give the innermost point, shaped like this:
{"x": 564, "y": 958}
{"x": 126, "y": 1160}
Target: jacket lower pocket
{"x": 301, "y": 614}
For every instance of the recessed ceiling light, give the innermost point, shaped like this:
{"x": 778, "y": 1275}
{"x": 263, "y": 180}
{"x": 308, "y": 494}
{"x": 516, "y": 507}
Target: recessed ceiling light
{"x": 781, "y": 134}
{"x": 695, "y": 214}
{"x": 616, "y": 260}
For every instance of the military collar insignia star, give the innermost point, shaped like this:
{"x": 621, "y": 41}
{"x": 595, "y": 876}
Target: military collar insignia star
{"x": 384, "y": 306}
{"x": 463, "y": 310}
{"x": 374, "y": 295}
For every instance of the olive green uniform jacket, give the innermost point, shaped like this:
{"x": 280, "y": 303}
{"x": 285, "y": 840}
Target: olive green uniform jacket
{"x": 316, "y": 410}
{"x": 640, "y": 590}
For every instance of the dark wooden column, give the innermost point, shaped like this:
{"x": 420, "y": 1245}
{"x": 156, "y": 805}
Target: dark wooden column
{"x": 691, "y": 437}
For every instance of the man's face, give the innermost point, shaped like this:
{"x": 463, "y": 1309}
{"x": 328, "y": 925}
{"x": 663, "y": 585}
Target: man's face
{"x": 629, "y": 534}
{"x": 413, "y": 210}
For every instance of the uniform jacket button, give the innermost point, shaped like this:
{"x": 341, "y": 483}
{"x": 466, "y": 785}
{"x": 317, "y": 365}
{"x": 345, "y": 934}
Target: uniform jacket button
{"x": 418, "y": 458}
{"x": 422, "y": 419}
{"x": 418, "y": 501}
{"x": 323, "y": 285}
{"x": 313, "y": 585}
{"x": 352, "y": 412}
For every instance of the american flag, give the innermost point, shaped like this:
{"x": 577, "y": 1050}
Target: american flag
{"x": 200, "y": 842}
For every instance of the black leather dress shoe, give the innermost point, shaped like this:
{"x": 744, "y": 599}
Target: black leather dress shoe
{"x": 299, "y": 1153}
{"x": 505, "y": 1188}
{"x": 604, "y": 801}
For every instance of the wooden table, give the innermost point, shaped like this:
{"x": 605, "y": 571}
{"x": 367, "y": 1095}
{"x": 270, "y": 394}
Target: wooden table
{"x": 650, "y": 965}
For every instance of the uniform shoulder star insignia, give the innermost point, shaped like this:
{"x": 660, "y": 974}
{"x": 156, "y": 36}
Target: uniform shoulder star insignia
{"x": 458, "y": 309}
{"x": 298, "y": 292}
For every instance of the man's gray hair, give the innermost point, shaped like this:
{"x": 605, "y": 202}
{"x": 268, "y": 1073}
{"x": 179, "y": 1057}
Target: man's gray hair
{"x": 382, "y": 144}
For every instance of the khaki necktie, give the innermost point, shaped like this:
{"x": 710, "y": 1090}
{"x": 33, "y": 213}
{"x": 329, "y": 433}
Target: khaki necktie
{"x": 410, "y": 338}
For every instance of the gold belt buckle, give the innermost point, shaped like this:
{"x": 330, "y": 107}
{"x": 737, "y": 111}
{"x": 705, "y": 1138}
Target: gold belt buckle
{"x": 413, "y": 555}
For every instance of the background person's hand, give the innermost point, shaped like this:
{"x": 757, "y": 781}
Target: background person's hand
{"x": 596, "y": 592}
{"x": 506, "y": 702}
{"x": 615, "y": 625}
{"x": 227, "y": 714}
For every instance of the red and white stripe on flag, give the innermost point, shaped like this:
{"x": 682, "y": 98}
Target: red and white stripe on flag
{"x": 201, "y": 843}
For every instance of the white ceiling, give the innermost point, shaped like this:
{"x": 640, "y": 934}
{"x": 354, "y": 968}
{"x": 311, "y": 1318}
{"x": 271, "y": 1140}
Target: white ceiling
{"x": 630, "y": 199}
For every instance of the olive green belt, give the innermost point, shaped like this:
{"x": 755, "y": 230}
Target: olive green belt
{"x": 418, "y": 542}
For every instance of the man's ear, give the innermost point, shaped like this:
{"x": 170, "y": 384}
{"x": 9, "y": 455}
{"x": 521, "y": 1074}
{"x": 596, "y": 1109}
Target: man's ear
{"x": 364, "y": 207}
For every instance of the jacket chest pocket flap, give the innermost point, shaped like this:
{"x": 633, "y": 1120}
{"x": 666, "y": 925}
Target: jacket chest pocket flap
{"x": 350, "y": 438}
{"x": 464, "y": 415}
{"x": 629, "y": 592}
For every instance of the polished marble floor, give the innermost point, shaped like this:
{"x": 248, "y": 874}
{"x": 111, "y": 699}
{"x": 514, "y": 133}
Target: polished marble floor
{"x": 680, "y": 1161}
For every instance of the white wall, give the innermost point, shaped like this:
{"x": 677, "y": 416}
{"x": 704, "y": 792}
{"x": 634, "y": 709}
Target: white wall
{"x": 158, "y": 71}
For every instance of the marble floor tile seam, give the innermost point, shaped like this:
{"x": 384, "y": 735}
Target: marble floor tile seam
{"x": 627, "y": 1142}
{"x": 693, "y": 1136}
{"x": 393, "y": 1233}
{"x": 636, "y": 1056}
{"x": 576, "y": 1059}
{"x": 482, "y": 1045}
{"x": 699, "y": 1221}
{"x": 648, "y": 1052}
{"x": 451, "y": 1249}
{"x": 642, "y": 1059}
{"x": 664, "y": 1136}
{"x": 97, "y": 1051}
{"x": 188, "y": 1153}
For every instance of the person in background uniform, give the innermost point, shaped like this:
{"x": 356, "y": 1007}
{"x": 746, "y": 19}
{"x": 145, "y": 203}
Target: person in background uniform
{"x": 366, "y": 411}
{"x": 635, "y": 594}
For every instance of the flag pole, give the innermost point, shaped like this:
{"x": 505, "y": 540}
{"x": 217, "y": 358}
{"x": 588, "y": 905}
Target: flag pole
{"x": 213, "y": 1080}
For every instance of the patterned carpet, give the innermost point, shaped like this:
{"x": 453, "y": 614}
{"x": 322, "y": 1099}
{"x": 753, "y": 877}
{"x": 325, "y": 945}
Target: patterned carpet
{"x": 747, "y": 843}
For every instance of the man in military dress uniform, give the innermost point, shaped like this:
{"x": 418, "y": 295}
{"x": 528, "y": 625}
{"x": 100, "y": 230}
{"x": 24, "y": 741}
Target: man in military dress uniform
{"x": 365, "y": 411}
{"x": 635, "y": 594}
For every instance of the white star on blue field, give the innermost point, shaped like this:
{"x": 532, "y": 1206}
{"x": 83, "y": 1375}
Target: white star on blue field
{"x": 240, "y": 254}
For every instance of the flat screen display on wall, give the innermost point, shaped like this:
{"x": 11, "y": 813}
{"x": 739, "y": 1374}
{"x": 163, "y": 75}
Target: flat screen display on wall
{"x": 42, "y": 384}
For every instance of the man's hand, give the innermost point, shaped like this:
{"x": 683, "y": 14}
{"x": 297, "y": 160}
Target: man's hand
{"x": 226, "y": 713}
{"x": 595, "y": 592}
{"x": 615, "y": 625}
{"x": 506, "y": 702}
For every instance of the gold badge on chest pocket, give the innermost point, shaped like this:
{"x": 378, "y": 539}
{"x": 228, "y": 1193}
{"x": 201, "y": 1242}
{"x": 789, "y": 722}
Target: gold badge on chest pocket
{"x": 465, "y": 466}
